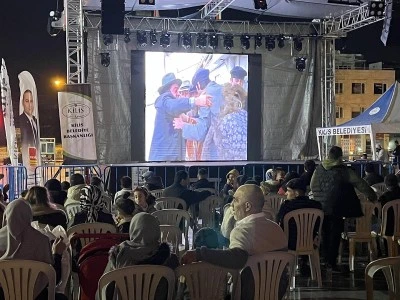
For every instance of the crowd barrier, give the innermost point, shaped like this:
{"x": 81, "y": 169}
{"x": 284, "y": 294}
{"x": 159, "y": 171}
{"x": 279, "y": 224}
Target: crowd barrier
{"x": 111, "y": 174}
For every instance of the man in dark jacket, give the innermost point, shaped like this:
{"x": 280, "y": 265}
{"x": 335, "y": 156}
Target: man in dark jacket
{"x": 370, "y": 176}
{"x": 309, "y": 168}
{"x": 179, "y": 189}
{"x": 328, "y": 180}
{"x": 202, "y": 180}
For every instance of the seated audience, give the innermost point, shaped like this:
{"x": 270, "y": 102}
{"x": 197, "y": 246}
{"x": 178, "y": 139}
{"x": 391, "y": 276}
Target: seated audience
{"x": 253, "y": 234}
{"x": 74, "y": 192}
{"x": 371, "y": 177}
{"x": 230, "y": 184}
{"x": 206, "y": 237}
{"x": 65, "y": 185}
{"x": 152, "y": 182}
{"x": 56, "y": 193}
{"x": 144, "y": 200}
{"x": 126, "y": 186}
{"x": 274, "y": 178}
{"x": 125, "y": 210}
{"x": 96, "y": 181}
{"x": 19, "y": 240}
{"x": 309, "y": 168}
{"x": 92, "y": 208}
{"x": 202, "y": 181}
{"x": 179, "y": 189}
{"x": 289, "y": 176}
{"x": 392, "y": 193}
{"x": 43, "y": 210}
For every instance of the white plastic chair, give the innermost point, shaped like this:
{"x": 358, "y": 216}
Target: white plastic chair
{"x": 207, "y": 210}
{"x": 268, "y": 270}
{"x": 391, "y": 240}
{"x": 391, "y": 269}
{"x": 72, "y": 209}
{"x": 18, "y": 278}
{"x": 138, "y": 282}
{"x": 207, "y": 281}
{"x": 274, "y": 201}
{"x": 157, "y": 193}
{"x": 362, "y": 234}
{"x": 91, "y": 228}
{"x": 305, "y": 220}
{"x": 174, "y": 217}
{"x": 171, "y": 234}
{"x": 379, "y": 187}
{"x": 170, "y": 202}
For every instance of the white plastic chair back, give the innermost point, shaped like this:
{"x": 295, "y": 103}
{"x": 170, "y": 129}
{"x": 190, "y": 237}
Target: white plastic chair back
{"x": 72, "y": 210}
{"x": 171, "y": 234}
{"x": 267, "y": 270}
{"x": 170, "y": 202}
{"x": 391, "y": 269}
{"x": 207, "y": 210}
{"x": 91, "y": 228}
{"x": 157, "y": 193}
{"x": 138, "y": 282}
{"x": 207, "y": 281}
{"x": 379, "y": 187}
{"x": 274, "y": 201}
{"x": 211, "y": 190}
{"x": 18, "y": 278}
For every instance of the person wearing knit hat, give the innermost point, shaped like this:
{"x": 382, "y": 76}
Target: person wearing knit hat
{"x": 237, "y": 76}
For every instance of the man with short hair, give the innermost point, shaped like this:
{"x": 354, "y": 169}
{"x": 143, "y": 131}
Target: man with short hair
{"x": 330, "y": 181}
{"x": 77, "y": 182}
{"x": 126, "y": 186}
{"x": 371, "y": 177}
{"x": 179, "y": 189}
{"x": 202, "y": 180}
{"x": 309, "y": 168}
{"x": 152, "y": 182}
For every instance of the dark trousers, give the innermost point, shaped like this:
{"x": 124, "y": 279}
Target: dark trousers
{"x": 332, "y": 229}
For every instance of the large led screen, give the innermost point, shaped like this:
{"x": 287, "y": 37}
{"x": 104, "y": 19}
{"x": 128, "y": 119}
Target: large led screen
{"x": 196, "y": 106}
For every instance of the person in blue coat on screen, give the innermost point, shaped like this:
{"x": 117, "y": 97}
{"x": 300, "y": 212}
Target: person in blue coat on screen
{"x": 203, "y": 129}
{"x": 167, "y": 143}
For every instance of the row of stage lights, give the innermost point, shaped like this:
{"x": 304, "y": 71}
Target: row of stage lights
{"x": 203, "y": 40}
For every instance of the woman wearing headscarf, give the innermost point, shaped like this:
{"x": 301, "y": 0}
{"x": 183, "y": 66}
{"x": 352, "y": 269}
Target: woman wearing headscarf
{"x": 143, "y": 248}
{"x": 92, "y": 205}
{"x": 19, "y": 240}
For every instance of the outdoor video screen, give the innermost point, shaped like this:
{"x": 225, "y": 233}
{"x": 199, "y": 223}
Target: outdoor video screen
{"x": 196, "y": 106}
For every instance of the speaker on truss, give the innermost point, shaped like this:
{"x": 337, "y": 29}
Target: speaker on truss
{"x": 390, "y": 32}
{"x": 112, "y": 16}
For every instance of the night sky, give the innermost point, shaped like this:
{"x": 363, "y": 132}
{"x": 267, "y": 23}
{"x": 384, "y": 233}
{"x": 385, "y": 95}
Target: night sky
{"x": 26, "y": 45}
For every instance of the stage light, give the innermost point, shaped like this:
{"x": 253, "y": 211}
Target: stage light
{"x": 105, "y": 59}
{"x": 213, "y": 41}
{"x": 141, "y": 38}
{"x": 228, "y": 41}
{"x": 270, "y": 42}
{"x": 153, "y": 37}
{"x": 201, "y": 41}
{"x": 55, "y": 23}
{"x": 281, "y": 41}
{"x": 245, "y": 41}
{"x": 108, "y": 39}
{"x": 301, "y": 63}
{"x": 297, "y": 43}
{"x": 186, "y": 40}
{"x": 376, "y": 8}
{"x": 127, "y": 35}
{"x": 165, "y": 39}
{"x": 258, "y": 40}
{"x": 260, "y": 4}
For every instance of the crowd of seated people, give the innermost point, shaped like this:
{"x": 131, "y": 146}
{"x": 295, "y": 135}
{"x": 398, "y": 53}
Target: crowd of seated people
{"x": 247, "y": 229}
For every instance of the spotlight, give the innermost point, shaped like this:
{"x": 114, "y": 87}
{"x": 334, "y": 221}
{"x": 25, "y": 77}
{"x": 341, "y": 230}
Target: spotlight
{"x": 55, "y": 23}
{"x": 260, "y": 4}
{"x": 297, "y": 43}
{"x": 301, "y": 63}
{"x": 127, "y": 35}
{"x": 270, "y": 42}
{"x": 245, "y": 41}
{"x": 201, "y": 41}
{"x": 228, "y": 41}
{"x": 141, "y": 38}
{"x": 213, "y": 41}
{"x": 376, "y": 8}
{"x": 108, "y": 39}
{"x": 258, "y": 40}
{"x": 186, "y": 40}
{"x": 105, "y": 59}
{"x": 153, "y": 37}
{"x": 281, "y": 41}
{"x": 165, "y": 39}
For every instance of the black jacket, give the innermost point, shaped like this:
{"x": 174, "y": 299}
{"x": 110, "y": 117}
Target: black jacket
{"x": 80, "y": 218}
{"x": 202, "y": 184}
{"x": 190, "y": 197}
{"x": 373, "y": 178}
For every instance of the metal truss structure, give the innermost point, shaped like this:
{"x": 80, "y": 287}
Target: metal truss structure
{"x": 214, "y": 7}
{"x": 74, "y": 41}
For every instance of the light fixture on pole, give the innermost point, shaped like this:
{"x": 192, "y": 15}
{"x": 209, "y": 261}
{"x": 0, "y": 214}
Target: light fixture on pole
{"x": 270, "y": 42}
{"x": 213, "y": 40}
{"x": 228, "y": 41}
{"x": 105, "y": 59}
{"x": 301, "y": 63}
{"x": 201, "y": 41}
{"x": 141, "y": 38}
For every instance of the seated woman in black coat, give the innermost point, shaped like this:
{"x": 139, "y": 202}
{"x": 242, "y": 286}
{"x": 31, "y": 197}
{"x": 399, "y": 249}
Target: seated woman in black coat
{"x": 92, "y": 205}
{"x": 43, "y": 210}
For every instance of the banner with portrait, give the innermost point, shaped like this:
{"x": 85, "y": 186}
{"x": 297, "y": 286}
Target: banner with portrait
{"x": 76, "y": 124}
